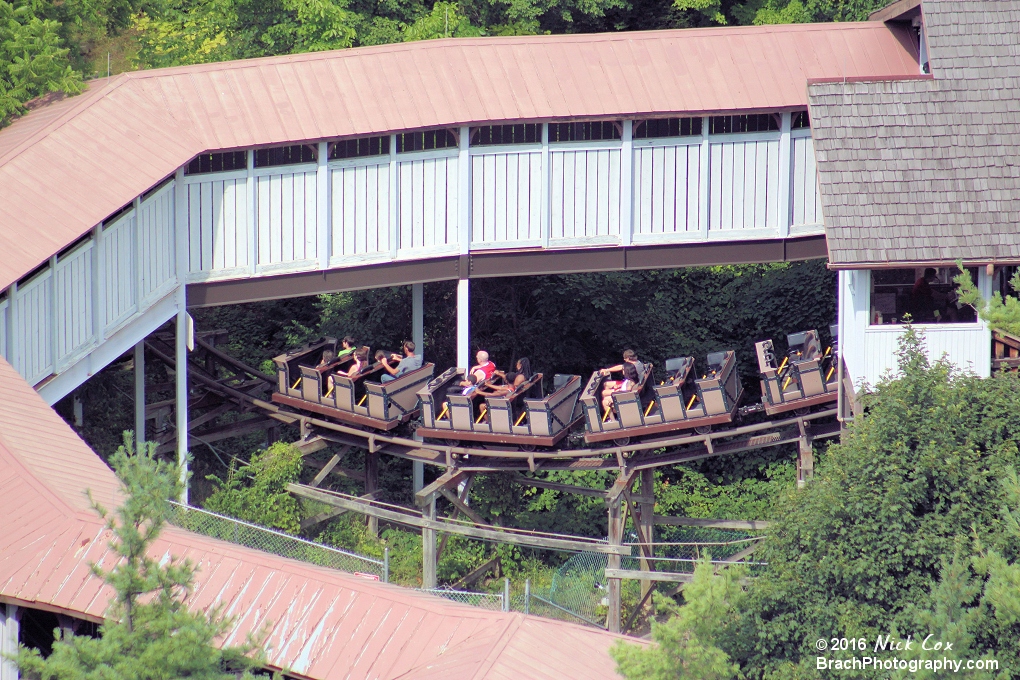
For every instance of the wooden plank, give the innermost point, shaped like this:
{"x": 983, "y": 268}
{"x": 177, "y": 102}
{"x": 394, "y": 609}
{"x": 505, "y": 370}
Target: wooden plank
{"x": 332, "y": 513}
{"x": 478, "y": 192}
{"x": 643, "y": 191}
{"x": 356, "y": 475}
{"x": 499, "y": 195}
{"x": 448, "y": 478}
{"x": 555, "y": 486}
{"x": 751, "y": 525}
{"x": 326, "y": 469}
{"x": 671, "y": 186}
{"x": 598, "y": 221}
{"x": 477, "y": 573}
{"x": 556, "y": 198}
{"x": 658, "y": 190}
{"x": 462, "y": 506}
{"x": 661, "y": 576}
{"x": 483, "y": 533}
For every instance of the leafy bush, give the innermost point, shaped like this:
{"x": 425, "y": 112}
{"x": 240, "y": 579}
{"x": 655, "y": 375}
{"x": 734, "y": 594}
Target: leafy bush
{"x": 257, "y": 492}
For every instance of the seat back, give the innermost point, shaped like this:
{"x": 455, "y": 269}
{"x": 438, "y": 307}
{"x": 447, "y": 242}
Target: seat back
{"x": 288, "y": 364}
{"x": 433, "y": 396}
{"x": 312, "y": 383}
{"x": 719, "y": 389}
{"x": 591, "y": 402}
{"x": 551, "y": 415}
{"x": 803, "y": 345}
{"x": 343, "y": 393}
{"x": 397, "y": 398}
{"x": 672, "y": 403}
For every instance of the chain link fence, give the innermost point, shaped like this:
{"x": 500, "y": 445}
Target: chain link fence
{"x": 276, "y": 542}
{"x": 492, "y": 601}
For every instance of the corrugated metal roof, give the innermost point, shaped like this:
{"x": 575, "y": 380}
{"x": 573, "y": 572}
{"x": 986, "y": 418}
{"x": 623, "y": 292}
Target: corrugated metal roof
{"x": 66, "y": 166}
{"x": 321, "y": 623}
{"x": 928, "y": 170}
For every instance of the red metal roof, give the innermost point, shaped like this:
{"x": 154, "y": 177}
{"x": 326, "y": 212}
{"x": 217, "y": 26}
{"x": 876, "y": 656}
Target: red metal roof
{"x": 322, "y": 623}
{"x": 69, "y": 164}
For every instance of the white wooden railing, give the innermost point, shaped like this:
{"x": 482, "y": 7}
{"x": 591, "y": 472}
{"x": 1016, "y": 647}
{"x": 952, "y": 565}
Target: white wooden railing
{"x": 399, "y": 206}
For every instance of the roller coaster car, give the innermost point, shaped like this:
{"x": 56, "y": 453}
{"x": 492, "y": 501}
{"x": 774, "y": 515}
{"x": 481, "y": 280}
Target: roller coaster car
{"x": 681, "y": 402}
{"x": 513, "y": 419}
{"x": 805, "y": 378}
{"x": 389, "y": 403}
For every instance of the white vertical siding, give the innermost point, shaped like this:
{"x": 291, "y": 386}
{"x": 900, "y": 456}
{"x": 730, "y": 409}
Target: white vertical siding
{"x": 118, "y": 244}
{"x": 156, "y": 231}
{"x": 73, "y": 299}
{"x": 287, "y": 218}
{"x": 217, "y": 222}
{"x": 585, "y": 193}
{"x": 361, "y": 208}
{"x": 967, "y": 346}
{"x": 506, "y": 195}
{"x": 667, "y": 186}
{"x": 427, "y": 207}
{"x": 744, "y": 183}
{"x": 806, "y": 204}
{"x": 32, "y": 328}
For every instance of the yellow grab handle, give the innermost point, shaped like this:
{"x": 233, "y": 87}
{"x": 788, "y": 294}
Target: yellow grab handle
{"x": 829, "y": 374}
{"x": 446, "y": 407}
{"x": 605, "y": 416}
{"x": 787, "y": 381}
{"x": 363, "y": 398}
{"x": 521, "y": 419}
{"x": 649, "y": 409}
{"x": 482, "y": 414}
{"x": 827, "y": 350}
{"x": 330, "y": 390}
{"x": 296, "y": 383}
{"x": 691, "y": 402}
{"x": 783, "y": 365}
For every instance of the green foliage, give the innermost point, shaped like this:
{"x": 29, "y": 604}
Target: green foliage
{"x": 860, "y": 550}
{"x": 709, "y": 9}
{"x": 688, "y": 644}
{"x": 257, "y": 492}
{"x": 444, "y": 21}
{"x": 1001, "y": 314}
{"x": 148, "y": 632}
{"x": 33, "y": 59}
{"x": 761, "y": 12}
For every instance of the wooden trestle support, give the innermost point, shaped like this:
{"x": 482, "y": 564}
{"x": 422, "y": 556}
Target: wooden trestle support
{"x": 222, "y": 384}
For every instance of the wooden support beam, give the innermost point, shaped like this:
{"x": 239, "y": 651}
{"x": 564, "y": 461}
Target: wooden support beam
{"x": 462, "y": 506}
{"x": 622, "y": 483}
{"x": 329, "y": 514}
{"x": 309, "y": 446}
{"x": 371, "y": 485}
{"x": 481, "y": 533}
{"x": 645, "y": 524}
{"x": 554, "y": 486}
{"x": 356, "y": 475}
{"x": 429, "y": 554}
{"x": 326, "y": 469}
{"x": 459, "y": 501}
{"x": 477, "y": 573}
{"x": 747, "y": 525}
{"x": 445, "y": 480}
{"x": 613, "y": 586}
{"x": 220, "y": 432}
{"x": 663, "y": 576}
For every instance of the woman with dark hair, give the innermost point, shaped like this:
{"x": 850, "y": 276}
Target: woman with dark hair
{"x": 524, "y": 368}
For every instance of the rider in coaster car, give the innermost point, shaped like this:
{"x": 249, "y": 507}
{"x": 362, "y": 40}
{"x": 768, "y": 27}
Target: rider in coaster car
{"x": 630, "y": 382}
{"x": 629, "y": 358}
{"x": 511, "y": 381}
{"x": 407, "y": 363}
{"x": 348, "y": 346}
{"x": 482, "y": 371}
{"x": 328, "y": 357}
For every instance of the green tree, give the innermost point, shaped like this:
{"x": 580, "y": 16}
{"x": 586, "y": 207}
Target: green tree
{"x": 859, "y": 552}
{"x": 148, "y": 634}
{"x": 688, "y": 644}
{"x": 444, "y": 21}
{"x": 33, "y": 60}
{"x": 1000, "y": 313}
{"x": 257, "y": 492}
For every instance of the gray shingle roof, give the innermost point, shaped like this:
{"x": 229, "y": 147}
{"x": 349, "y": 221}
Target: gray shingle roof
{"x": 928, "y": 170}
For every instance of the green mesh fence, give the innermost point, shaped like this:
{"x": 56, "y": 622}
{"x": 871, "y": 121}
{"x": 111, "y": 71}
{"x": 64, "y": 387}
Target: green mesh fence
{"x": 272, "y": 541}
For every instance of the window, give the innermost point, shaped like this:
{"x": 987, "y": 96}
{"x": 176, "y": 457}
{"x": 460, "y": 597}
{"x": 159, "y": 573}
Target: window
{"x": 667, "y": 127}
{"x": 522, "y": 133}
{"x": 285, "y": 155}
{"x": 926, "y": 293}
{"x": 583, "y": 132}
{"x": 359, "y": 148}
{"x": 217, "y": 162}
{"x": 799, "y": 120}
{"x": 426, "y": 141}
{"x": 724, "y": 125}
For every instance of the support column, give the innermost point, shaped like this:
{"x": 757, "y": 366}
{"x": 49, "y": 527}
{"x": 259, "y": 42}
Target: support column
{"x": 705, "y": 172}
{"x": 627, "y": 181}
{"x": 613, "y": 584}
{"x": 9, "y": 627}
{"x": 140, "y": 394}
{"x": 785, "y": 171}
{"x": 428, "y": 547}
{"x": 805, "y": 458}
{"x": 418, "y": 336}
{"x": 463, "y": 322}
{"x": 372, "y": 485}
{"x": 181, "y": 382}
{"x": 646, "y": 529}
{"x": 79, "y": 410}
